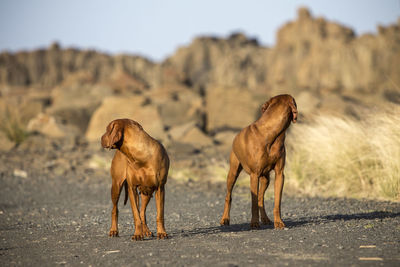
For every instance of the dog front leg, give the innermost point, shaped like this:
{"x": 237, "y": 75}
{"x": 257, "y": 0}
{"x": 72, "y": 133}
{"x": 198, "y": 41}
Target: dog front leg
{"x": 115, "y": 193}
{"x": 133, "y": 197}
{"x": 264, "y": 182}
{"x": 279, "y": 181}
{"x": 160, "y": 198}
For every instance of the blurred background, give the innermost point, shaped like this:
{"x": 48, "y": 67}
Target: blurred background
{"x": 195, "y": 73}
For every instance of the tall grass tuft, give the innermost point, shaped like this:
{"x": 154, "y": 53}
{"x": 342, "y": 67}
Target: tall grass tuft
{"x": 12, "y": 126}
{"x": 343, "y": 156}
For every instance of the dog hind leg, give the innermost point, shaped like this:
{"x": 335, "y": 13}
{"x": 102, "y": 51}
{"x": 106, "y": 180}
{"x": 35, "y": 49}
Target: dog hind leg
{"x": 234, "y": 170}
{"x": 279, "y": 181}
{"x": 133, "y": 197}
{"x": 264, "y": 182}
{"x": 254, "y": 181}
{"x": 145, "y": 201}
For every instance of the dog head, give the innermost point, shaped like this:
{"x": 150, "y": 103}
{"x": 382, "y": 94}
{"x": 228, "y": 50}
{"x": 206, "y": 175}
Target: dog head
{"x": 287, "y": 100}
{"x": 112, "y": 138}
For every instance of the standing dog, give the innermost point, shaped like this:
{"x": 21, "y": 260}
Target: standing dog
{"x": 140, "y": 162}
{"x": 259, "y": 148}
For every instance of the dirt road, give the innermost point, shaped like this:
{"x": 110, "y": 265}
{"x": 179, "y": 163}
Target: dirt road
{"x": 51, "y": 217}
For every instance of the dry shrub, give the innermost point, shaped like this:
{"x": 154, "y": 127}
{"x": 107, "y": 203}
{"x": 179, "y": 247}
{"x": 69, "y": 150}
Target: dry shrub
{"x": 11, "y": 124}
{"x": 342, "y": 156}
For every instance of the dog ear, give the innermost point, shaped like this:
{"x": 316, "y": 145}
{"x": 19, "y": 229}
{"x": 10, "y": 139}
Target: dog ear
{"x": 113, "y": 134}
{"x": 116, "y": 134}
{"x": 265, "y": 106}
{"x": 293, "y": 107}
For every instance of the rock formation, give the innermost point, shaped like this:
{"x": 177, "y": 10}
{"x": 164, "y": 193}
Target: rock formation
{"x": 211, "y": 86}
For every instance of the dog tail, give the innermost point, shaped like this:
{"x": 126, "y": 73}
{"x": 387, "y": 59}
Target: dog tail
{"x": 126, "y": 192}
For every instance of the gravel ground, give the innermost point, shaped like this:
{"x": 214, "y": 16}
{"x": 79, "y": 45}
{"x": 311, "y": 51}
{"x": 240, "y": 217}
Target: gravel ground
{"x": 53, "y": 216}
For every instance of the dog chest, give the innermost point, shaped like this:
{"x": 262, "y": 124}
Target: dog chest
{"x": 146, "y": 190}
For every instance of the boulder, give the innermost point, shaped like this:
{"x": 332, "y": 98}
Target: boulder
{"x": 224, "y": 141}
{"x": 48, "y": 126}
{"x": 196, "y": 138}
{"x": 231, "y": 108}
{"x": 181, "y": 107}
{"x": 75, "y": 103}
{"x": 189, "y": 134}
{"x": 177, "y": 132}
{"x": 225, "y": 138}
{"x": 178, "y": 151}
{"x": 26, "y": 107}
{"x": 132, "y": 107}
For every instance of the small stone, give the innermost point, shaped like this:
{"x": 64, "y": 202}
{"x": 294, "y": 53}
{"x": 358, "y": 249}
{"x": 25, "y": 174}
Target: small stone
{"x": 20, "y": 173}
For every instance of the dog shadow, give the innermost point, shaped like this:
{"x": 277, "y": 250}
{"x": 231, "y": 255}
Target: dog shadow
{"x": 340, "y": 217}
{"x": 289, "y": 222}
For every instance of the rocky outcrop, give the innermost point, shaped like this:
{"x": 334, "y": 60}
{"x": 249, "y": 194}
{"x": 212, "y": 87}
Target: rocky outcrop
{"x": 318, "y": 55}
{"x": 49, "y": 67}
{"x": 311, "y": 54}
{"x": 233, "y": 62}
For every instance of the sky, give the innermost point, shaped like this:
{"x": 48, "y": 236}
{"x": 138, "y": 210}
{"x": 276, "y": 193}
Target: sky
{"x": 156, "y": 28}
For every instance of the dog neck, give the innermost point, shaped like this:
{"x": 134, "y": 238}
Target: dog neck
{"x": 139, "y": 148}
{"x": 272, "y": 123}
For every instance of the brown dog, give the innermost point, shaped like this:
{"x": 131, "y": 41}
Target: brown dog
{"x": 259, "y": 148}
{"x": 140, "y": 162}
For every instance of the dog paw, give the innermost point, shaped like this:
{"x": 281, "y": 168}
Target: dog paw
{"x": 162, "y": 235}
{"x": 266, "y": 221}
{"x": 113, "y": 233}
{"x": 224, "y": 221}
{"x": 147, "y": 232}
{"x": 279, "y": 225}
{"x": 136, "y": 237}
{"x": 254, "y": 225}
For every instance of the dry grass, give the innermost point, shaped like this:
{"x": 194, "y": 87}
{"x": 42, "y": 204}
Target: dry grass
{"x": 340, "y": 156}
{"x": 213, "y": 173}
{"x": 11, "y": 124}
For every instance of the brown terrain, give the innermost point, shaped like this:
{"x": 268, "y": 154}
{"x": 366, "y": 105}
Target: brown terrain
{"x": 55, "y": 104}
